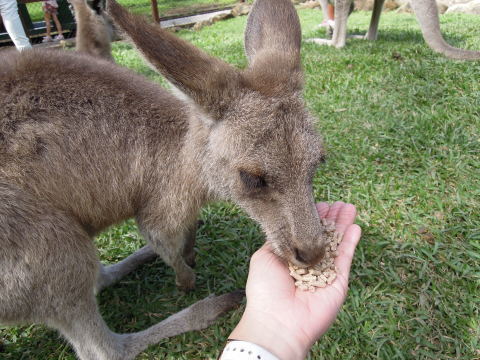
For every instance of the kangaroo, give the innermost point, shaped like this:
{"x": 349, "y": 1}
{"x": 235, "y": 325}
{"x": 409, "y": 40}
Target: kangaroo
{"x": 427, "y": 16}
{"x": 94, "y": 30}
{"x": 98, "y": 144}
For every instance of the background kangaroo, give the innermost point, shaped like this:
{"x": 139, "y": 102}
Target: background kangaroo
{"x": 98, "y": 144}
{"x": 94, "y": 29}
{"x": 427, "y": 16}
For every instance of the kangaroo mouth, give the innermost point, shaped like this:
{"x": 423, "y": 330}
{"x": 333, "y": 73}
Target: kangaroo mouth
{"x": 296, "y": 254}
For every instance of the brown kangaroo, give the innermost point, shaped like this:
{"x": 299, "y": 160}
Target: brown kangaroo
{"x": 97, "y": 144}
{"x": 94, "y": 30}
{"x": 427, "y": 16}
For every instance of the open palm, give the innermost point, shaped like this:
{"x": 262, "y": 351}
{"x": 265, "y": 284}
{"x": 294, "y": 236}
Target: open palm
{"x": 274, "y": 301}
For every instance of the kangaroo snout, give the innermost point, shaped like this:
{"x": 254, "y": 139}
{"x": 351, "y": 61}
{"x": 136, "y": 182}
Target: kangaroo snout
{"x": 309, "y": 256}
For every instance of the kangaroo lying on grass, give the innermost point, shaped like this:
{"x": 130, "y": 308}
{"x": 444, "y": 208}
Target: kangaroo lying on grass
{"x": 97, "y": 144}
{"x": 427, "y": 16}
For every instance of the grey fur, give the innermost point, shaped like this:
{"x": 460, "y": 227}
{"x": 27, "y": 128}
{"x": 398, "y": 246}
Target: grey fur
{"x": 427, "y": 16}
{"x": 96, "y": 144}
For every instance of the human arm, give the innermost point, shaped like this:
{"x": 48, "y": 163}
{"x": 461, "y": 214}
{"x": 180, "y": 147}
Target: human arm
{"x": 287, "y": 321}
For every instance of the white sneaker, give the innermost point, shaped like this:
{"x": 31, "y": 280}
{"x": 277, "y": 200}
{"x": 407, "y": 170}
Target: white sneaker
{"x": 324, "y": 24}
{"x": 59, "y": 37}
{"x": 47, "y": 39}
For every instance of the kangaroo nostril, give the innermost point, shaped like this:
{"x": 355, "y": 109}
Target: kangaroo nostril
{"x": 309, "y": 257}
{"x": 299, "y": 255}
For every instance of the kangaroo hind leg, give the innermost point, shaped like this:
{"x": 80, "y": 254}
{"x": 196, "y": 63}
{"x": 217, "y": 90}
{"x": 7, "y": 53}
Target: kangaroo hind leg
{"x": 49, "y": 270}
{"x": 110, "y": 274}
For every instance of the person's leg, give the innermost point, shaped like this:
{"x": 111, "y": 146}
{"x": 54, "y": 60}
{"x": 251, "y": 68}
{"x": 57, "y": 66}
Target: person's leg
{"x": 59, "y": 27}
{"x": 324, "y": 6}
{"x": 13, "y": 25}
{"x": 331, "y": 12}
{"x": 48, "y": 27}
{"x": 331, "y": 17}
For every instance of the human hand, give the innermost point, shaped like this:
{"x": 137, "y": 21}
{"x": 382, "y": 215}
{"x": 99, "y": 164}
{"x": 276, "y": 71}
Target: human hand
{"x": 284, "y": 319}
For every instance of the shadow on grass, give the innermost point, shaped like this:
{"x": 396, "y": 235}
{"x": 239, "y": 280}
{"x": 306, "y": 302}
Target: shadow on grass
{"x": 396, "y": 36}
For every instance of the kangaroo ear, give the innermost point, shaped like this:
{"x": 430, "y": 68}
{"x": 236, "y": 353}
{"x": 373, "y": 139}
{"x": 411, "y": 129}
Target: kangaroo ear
{"x": 209, "y": 81}
{"x": 272, "y": 44}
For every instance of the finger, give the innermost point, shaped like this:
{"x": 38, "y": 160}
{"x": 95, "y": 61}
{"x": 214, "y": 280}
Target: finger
{"x": 265, "y": 248}
{"x": 264, "y": 258}
{"x": 322, "y": 209}
{"x": 345, "y": 217}
{"x": 346, "y": 249}
{"x": 265, "y": 252}
{"x": 334, "y": 210}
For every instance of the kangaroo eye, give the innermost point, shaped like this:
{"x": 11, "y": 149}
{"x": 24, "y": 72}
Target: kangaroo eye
{"x": 252, "y": 181}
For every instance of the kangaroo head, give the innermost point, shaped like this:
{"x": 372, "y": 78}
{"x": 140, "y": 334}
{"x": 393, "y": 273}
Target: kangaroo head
{"x": 261, "y": 149}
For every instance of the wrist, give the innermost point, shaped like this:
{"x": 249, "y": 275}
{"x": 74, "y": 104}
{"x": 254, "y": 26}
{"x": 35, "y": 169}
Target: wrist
{"x": 262, "y": 330}
{"x": 245, "y": 350}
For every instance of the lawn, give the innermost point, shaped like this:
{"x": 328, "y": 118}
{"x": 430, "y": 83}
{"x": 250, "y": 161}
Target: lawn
{"x": 402, "y": 129}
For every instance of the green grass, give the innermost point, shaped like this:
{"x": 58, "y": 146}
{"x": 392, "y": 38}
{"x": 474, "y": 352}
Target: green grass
{"x": 402, "y": 129}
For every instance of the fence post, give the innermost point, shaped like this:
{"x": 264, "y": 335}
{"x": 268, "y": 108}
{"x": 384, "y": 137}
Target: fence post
{"x": 155, "y": 14}
{"x": 25, "y": 18}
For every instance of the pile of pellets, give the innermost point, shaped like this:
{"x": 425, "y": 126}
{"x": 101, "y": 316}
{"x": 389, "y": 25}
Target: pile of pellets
{"x": 325, "y": 272}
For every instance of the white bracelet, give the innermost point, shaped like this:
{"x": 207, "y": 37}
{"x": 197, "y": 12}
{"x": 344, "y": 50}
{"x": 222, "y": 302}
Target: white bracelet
{"x": 243, "y": 350}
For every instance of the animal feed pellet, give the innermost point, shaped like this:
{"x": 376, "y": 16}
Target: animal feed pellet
{"x": 325, "y": 272}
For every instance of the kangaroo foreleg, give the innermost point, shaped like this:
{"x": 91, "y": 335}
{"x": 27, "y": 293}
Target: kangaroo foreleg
{"x": 172, "y": 249}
